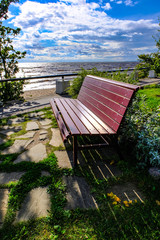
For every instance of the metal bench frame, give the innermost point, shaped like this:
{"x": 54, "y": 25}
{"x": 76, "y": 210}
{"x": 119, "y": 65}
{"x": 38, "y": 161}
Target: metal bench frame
{"x": 99, "y": 110}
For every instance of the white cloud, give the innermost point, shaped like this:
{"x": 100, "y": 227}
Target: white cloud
{"x": 75, "y": 31}
{"x": 119, "y": 2}
{"x": 130, "y": 2}
{"x": 107, "y": 6}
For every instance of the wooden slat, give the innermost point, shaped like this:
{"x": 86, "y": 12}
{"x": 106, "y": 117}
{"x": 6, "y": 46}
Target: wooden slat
{"x": 93, "y": 106}
{"x": 82, "y": 117}
{"x": 102, "y": 96}
{"x": 105, "y": 109}
{"x": 63, "y": 130}
{"x": 125, "y": 92}
{"x": 112, "y": 108}
{"x": 104, "y": 125}
{"x": 79, "y": 124}
{"x": 122, "y": 84}
{"x": 68, "y": 121}
{"x": 112, "y": 96}
{"x": 97, "y": 126}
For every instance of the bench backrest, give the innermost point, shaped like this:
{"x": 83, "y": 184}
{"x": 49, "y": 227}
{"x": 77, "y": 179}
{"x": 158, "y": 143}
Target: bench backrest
{"x": 106, "y": 98}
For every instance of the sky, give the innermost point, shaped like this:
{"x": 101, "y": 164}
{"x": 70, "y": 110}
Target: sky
{"x": 85, "y": 30}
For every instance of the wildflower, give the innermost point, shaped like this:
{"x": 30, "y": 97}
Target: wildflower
{"x": 117, "y": 199}
{"x": 135, "y": 200}
{"x": 114, "y": 203}
{"x": 110, "y": 194}
{"x": 158, "y": 202}
{"x": 126, "y": 203}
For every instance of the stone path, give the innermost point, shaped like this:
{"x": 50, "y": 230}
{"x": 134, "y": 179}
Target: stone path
{"x": 31, "y": 146}
{"x": 36, "y": 204}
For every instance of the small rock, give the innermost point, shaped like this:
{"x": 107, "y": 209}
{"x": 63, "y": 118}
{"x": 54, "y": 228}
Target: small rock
{"x": 32, "y": 126}
{"x": 154, "y": 172}
{"x": 63, "y": 159}
{"x": 45, "y": 173}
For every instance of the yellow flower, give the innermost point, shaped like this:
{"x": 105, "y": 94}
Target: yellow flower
{"x": 126, "y": 203}
{"x": 110, "y": 194}
{"x": 158, "y": 202}
{"x": 130, "y": 202}
{"x": 135, "y": 200}
{"x": 114, "y": 203}
{"x": 117, "y": 199}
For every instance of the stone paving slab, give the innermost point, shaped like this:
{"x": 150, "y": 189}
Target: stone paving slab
{"x": 29, "y": 134}
{"x": 78, "y": 193}
{"x": 16, "y": 121}
{"x": 34, "y": 154}
{"x": 43, "y": 135}
{"x": 45, "y": 122}
{"x": 18, "y": 146}
{"x": 36, "y": 204}
{"x": 10, "y": 177}
{"x": 32, "y": 126}
{"x": 4, "y": 194}
{"x": 45, "y": 173}
{"x": 2, "y": 140}
{"x": 56, "y": 138}
{"x": 7, "y": 130}
{"x": 63, "y": 159}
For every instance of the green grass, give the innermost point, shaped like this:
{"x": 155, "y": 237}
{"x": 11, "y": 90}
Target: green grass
{"x": 109, "y": 221}
{"x": 152, "y": 96}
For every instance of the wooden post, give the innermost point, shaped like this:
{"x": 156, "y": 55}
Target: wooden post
{"x": 75, "y": 149}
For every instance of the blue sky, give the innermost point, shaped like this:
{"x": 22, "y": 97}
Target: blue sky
{"x": 85, "y": 30}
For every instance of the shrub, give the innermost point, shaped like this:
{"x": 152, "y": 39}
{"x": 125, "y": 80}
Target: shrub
{"x": 76, "y": 84}
{"x": 11, "y": 90}
{"x": 140, "y": 133}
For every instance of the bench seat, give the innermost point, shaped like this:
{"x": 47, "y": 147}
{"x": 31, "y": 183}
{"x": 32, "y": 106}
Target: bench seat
{"x": 98, "y": 110}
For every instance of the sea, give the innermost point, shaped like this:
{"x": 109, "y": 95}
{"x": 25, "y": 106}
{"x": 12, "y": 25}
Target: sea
{"x": 35, "y": 69}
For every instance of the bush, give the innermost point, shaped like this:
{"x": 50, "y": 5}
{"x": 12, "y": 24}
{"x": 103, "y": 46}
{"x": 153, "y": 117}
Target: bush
{"x": 76, "y": 84}
{"x": 148, "y": 62}
{"x": 11, "y": 90}
{"x": 141, "y": 133}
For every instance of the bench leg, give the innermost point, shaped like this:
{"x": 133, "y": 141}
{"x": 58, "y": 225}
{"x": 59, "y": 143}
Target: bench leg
{"x": 75, "y": 149}
{"x": 118, "y": 148}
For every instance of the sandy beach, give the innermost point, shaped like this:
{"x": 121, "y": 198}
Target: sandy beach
{"x": 35, "y": 94}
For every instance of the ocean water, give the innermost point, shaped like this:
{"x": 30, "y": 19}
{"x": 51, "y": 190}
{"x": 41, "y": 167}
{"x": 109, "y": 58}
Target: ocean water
{"x": 45, "y": 69}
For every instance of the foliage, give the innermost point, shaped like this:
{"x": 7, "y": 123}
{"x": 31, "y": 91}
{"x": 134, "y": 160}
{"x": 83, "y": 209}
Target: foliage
{"x": 141, "y": 131}
{"x": 148, "y": 62}
{"x": 118, "y": 76}
{"x": 4, "y": 5}
{"x": 9, "y": 56}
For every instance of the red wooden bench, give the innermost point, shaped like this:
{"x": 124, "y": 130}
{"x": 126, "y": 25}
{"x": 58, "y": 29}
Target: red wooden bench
{"x": 98, "y": 110}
